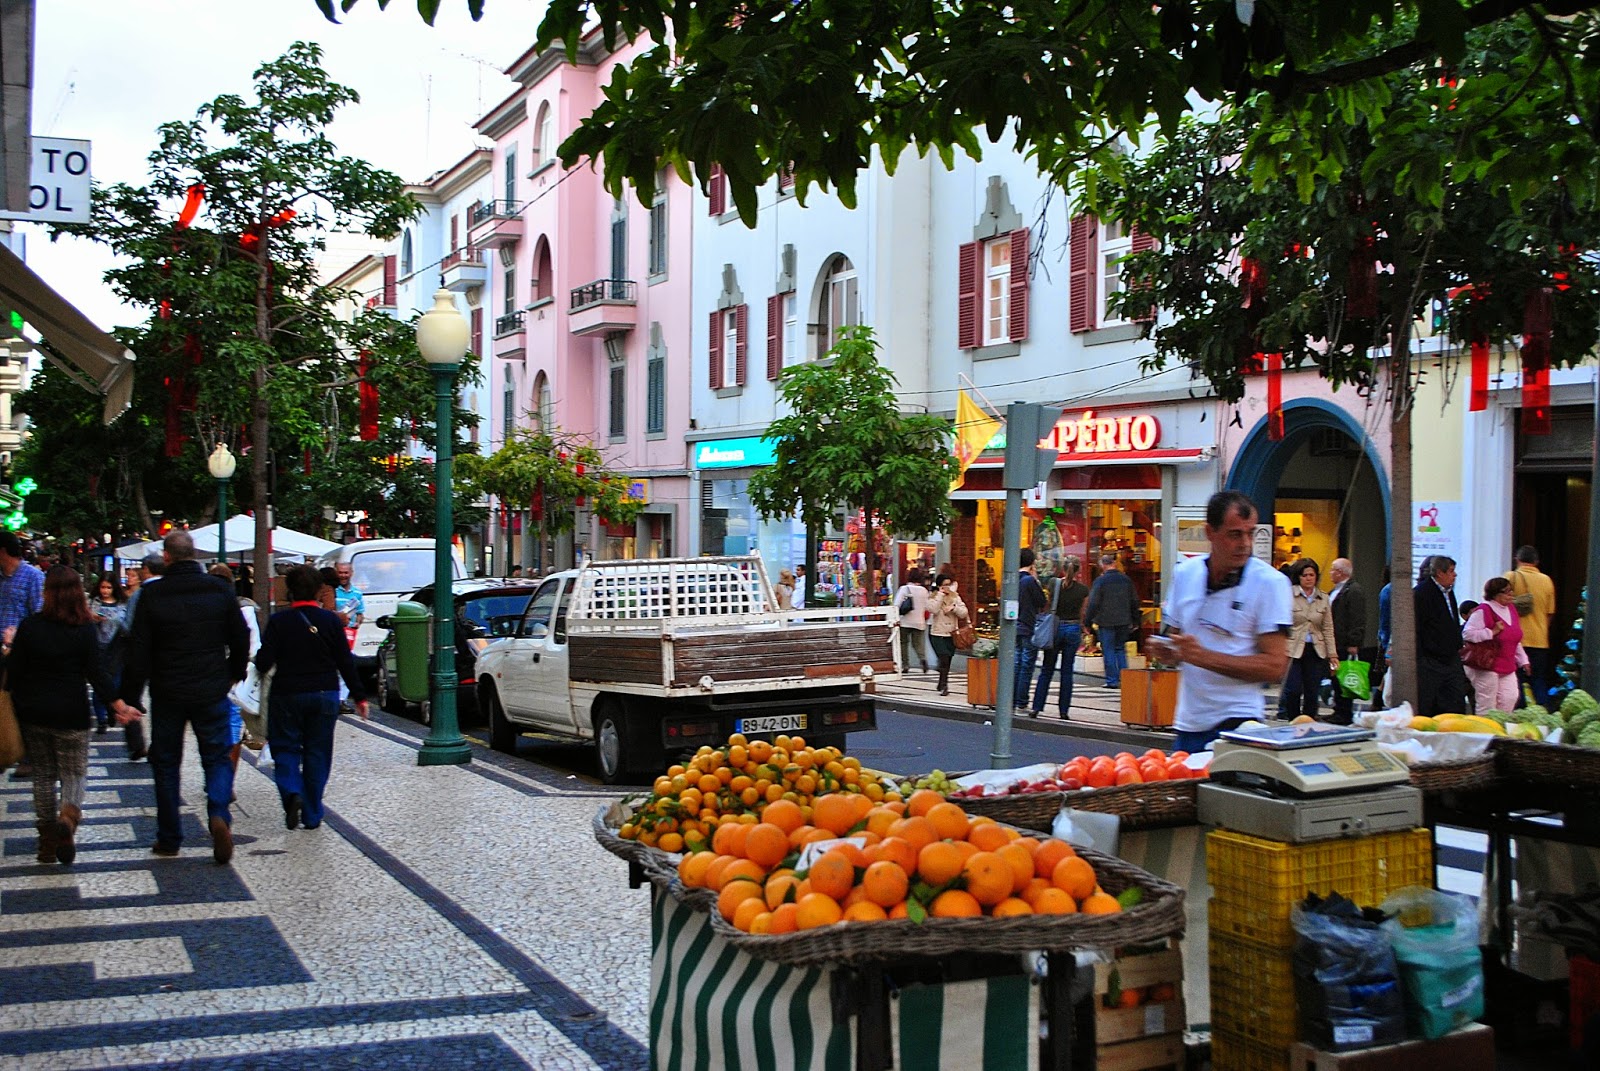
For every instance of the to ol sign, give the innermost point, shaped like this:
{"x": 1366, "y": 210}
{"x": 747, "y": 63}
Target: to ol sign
{"x": 59, "y": 192}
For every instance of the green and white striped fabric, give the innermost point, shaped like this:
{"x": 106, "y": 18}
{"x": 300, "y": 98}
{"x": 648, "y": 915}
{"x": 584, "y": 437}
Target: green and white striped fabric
{"x": 714, "y": 1008}
{"x": 987, "y": 1025}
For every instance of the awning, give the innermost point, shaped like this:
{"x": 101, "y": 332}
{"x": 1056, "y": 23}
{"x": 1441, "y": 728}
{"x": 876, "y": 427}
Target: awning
{"x": 95, "y": 360}
{"x": 240, "y": 542}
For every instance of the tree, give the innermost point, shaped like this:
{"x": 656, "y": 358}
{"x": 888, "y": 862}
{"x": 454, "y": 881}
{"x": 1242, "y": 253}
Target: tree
{"x": 241, "y": 335}
{"x": 845, "y": 443}
{"x": 552, "y": 473}
{"x": 1330, "y": 266}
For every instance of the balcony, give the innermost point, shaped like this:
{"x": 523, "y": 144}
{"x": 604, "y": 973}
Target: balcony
{"x": 494, "y": 224}
{"x": 462, "y": 269}
{"x": 511, "y": 336}
{"x": 603, "y": 307}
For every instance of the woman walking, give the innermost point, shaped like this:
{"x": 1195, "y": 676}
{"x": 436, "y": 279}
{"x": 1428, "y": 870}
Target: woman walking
{"x": 110, "y": 608}
{"x": 55, "y": 653}
{"x": 305, "y": 650}
{"x": 784, "y": 589}
{"x": 911, "y": 603}
{"x": 946, "y": 612}
{"x": 1496, "y": 619}
{"x": 1311, "y": 645}
{"x": 1071, "y": 594}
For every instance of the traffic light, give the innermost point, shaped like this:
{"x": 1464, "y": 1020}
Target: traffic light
{"x": 1027, "y": 463}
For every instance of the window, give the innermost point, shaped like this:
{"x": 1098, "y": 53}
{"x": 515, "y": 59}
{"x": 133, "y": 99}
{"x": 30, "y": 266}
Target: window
{"x": 729, "y": 333}
{"x": 509, "y": 281}
{"x": 619, "y": 400}
{"x": 543, "y": 410}
{"x": 655, "y": 406}
{"x": 508, "y": 407}
{"x": 783, "y": 332}
{"x": 993, "y": 291}
{"x": 543, "y": 273}
{"x": 730, "y": 346}
{"x": 511, "y": 178}
{"x": 1097, "y": 252}
{"x": 997, "y": 291}
{"x": 791, "y": 328}
{"x": 544, "y": 137}
{"x": 658, "y": 229}
{"x": 840, "y": 305}
{"x": 540, "y": 609}
{"x": 477, "y": 332}
{"x": 1115, "y": 244}
{"x": 406, "y": 254}
{"x": 619, "y": 239}
{"x": 717, "y": 191}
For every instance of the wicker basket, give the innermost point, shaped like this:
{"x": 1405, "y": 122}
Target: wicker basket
{"x": 657, "y": 865}
{"x": 1160, "y": 915}
{"x": 1462, "y": 775}
{"x": 1149, "y": 805}
{"x": 1551, "y": 764}
{"x": 1027, "y": 810}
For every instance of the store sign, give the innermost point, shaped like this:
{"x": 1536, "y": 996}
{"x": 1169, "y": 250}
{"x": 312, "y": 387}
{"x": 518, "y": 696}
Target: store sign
{"x": 58, "y": 191}
{"x": 639, "y": 491}
{"x": 1435, "y": 529}
{"x": 1088, "y": 434}
{"x": 735, "y": 453}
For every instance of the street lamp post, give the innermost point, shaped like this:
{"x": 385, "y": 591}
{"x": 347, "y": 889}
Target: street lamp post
{"x": 442, "y": 336}
{"x": 222, "y": 463}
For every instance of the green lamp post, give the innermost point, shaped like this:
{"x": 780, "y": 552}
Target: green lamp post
{"x": 222, "y": 463}
{"x": 442, "y": 336}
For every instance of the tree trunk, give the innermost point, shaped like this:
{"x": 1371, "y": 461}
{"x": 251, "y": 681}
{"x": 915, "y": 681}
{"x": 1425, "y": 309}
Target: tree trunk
{"x": 260, "y": 450}
{"x": 1402, "y": 574}
{"x": 871, "y": 556}
{"x": 140, "y": 504}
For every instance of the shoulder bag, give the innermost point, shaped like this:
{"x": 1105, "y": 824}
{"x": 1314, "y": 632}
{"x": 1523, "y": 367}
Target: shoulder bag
{"x": 964, "y": 637}
{"x": 906, "y": 602}
{"x": 1044, "y": 626}
{"x": 1523, "y": 600}
{"x": 1482, "y": 654}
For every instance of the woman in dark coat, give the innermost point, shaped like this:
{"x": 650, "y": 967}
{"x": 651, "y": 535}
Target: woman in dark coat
{"x": 54, "y": 654}
{"x": 306, "y": 646}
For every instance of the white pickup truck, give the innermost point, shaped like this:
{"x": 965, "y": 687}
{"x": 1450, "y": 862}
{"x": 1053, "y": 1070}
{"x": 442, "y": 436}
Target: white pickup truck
{"x": 649, "y": 658}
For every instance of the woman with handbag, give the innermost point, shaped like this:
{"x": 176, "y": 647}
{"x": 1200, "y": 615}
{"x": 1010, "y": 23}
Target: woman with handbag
{"x": 1492, "y": 652}
{"x": 947, "y": 615}
{"x": 911, "y": 602}
{"x": 1070, "y": 595}
{"x": 1312, "y": 649}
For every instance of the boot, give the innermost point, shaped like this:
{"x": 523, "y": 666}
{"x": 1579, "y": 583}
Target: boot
{"x": 66, "y": 829}
{"x": 47, "y": 842}
{"x": 944, "y": 678}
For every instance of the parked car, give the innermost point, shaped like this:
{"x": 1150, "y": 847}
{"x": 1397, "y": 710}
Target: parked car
{"x": 385, "y": 569}
{"x": 487, "y": 609}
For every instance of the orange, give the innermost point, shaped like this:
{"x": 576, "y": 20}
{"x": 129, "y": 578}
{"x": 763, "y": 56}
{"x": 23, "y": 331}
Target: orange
{"x": 853, "y": 852}
{"x": 949, "y": 821}
{"x": 766, "y": 844}
{"x": 1020, "y": 860}
{"x": 1153, "y": 771}
{"x": 741, "y": 869}
{"x": 885, "y": 884}
{"x": 879, "y": 819}
{"x": 857, "y": 894}
{"x": 955, "y": 904}
{"x": 918, "y": 830}
{"x": 1030, "y": 843}
{"x": 865, "y": 911}
{"x": 833, "y": 812}
{"x": 745, "y": 914}
{"x": 762, "y": 923}
{"x": 832, "y": 875}
{"x": 1129, "y": 775}
{"x": 736, "y": 893}
{"x": 817, "y": 910}
{"x": 783, "y": 918}
{"x": 1100, "y": 777}
{"x": 781, "y": 889}
{"x": 1101, "y": 903}
{"x": 798, "y": 835}
{"x": 922, "y": 801}
{"x": 729, "y": 839}
{"x": 899, "y": 851}
{"x": 1075, "y": 877}
{"x": 1130, "y": 998}
{"x": 966, "y": 848}
{"x": 1162, "y": 992}
{"x": 670, "y": 842}
{"x": 939, "y": 862}
{"x": 783, "y": 814}
{"x": 692, "y": 871}
{"x": 713, "y": 875}
{"x": 900, "y": 911}
{"x": 1049, "y": 854}
{"x": 988, "y": 877}
{"x": 1053, "y": 901}
{"x": 760, "y": 750}
{"x": 988, "y": 837}
{"x": 815, "y": 835}
{"x": 1031, "y": 891}
{"x": 1011, "y": 906}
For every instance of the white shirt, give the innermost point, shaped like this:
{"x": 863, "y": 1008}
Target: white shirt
{"x": 798, "y": 600}
{"x": 1227, "y": 621}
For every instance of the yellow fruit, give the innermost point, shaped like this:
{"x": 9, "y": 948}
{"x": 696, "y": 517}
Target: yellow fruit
{"x": 1304, "y": 719}
{"x": 1424, "y": 725}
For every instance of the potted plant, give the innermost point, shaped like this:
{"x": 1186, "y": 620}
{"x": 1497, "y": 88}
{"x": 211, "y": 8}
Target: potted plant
{"x": 982, "y": 664}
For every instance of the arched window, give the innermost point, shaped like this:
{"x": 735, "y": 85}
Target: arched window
{"x": 544, "y": 136}
{"x": 543, "y": 413}
{"x": 544, "y": 282}
{"x": 406, "y": 264}
{"x": 838, "y": 303}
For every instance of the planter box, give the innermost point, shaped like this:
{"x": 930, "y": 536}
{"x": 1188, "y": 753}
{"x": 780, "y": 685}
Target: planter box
{"x": 981, "y": 680}
{"x": 1149, "y": 697}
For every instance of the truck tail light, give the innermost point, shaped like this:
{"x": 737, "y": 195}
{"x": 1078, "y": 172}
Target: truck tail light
{"x": 841, "y": 717}
{"x": 692, "y": 729}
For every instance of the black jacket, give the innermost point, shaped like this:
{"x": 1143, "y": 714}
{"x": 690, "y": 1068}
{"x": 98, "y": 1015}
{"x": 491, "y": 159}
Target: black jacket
{"x": 189, "y": 639}
{"x": 1438, "y": 629}
{"x": 1113, "y": 602}
{"x": 50, "y": 662}
{"x": 1350, "y": 618}
{"x": 307, "y": 646}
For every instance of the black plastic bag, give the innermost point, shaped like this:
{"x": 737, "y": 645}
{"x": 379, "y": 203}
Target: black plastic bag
{"x": 1347, "y": 983}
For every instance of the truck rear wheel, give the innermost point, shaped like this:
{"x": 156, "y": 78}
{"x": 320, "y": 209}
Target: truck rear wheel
{"x": 502, "y": 734}
{"x": 613, "y": 743}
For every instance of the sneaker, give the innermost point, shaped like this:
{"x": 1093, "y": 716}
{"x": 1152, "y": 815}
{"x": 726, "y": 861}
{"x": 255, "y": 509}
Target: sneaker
{"x": 221, "y": 840}
{"x": 166, "y": 851}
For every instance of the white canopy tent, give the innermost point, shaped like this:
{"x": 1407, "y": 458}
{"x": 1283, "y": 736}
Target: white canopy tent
{"x": 239, "y": 542}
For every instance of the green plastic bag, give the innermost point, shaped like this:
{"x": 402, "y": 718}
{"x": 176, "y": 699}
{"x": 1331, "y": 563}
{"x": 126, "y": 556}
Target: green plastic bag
{"x": 1354, "y": 680}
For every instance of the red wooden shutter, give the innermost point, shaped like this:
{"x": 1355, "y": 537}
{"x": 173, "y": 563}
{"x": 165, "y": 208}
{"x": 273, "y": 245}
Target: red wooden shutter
{"x": 969, "y": 302}
{"x": 741, "y": 321}
{"x": 477, "y": 332}
{"x": 774, "y": 336}
{"x": 785, "y": 179}
{"x": 1142, "y": 243}
{"x": 718, "y": 191}
{"x": 389, "y": 277}
{"x": 1082, "y": 276}
{"x": 455, "y": 233}
{"x": 1019, "y": 284}
{"x": 716, "y": 350}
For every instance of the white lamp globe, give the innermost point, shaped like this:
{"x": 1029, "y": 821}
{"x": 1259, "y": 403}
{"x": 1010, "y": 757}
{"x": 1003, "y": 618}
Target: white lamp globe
{"x": 221, "y": 462}
{"x": 442, "y": 333}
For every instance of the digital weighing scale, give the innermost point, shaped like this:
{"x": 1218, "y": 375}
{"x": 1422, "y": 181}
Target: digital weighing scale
{"x": 1306, "y": 782}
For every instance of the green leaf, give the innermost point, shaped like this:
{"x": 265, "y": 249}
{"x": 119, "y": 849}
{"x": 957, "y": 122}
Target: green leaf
{"x": 915, "y": 911}
{"x": 1132, "y": 896}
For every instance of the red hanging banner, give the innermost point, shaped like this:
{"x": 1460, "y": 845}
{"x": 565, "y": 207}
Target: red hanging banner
{"x": 1536, "y": 401}
{"x": 1479, "y": 394}
{"x": 369, "y": 399}
{"x": 1275, "y": 397}
{"x": 191, "y": 205}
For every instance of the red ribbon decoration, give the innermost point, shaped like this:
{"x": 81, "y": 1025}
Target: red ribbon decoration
{"x": 369, "y": 399}
{"x": 1253, "y": 280}
{"x": 1536, "y": 401}
{"x": 1275, "y": 397}
{"x": 1479, "y": 393}
{"x": 191, "y": 205}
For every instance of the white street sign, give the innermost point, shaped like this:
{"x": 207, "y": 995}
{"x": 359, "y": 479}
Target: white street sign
{"x": 59, "y": 192}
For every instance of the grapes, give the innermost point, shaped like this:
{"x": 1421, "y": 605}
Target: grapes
{"x": 938, "y": 781}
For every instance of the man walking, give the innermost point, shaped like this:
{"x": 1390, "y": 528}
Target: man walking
{"x": 1441, "y": 682}
{"x": 1030, "y": 602}
{"x": 1349, "y": 629}
{"x": 1534, "y": 595}
{"x": 21, "y": 594}
{"x": 348, "y": 602}
{"x": 190, "y": 643}
{"x": 1112, "y": 611}
{"x": 1226, "y": 623}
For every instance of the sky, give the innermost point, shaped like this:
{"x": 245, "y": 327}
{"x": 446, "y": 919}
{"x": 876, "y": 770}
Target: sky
{"x": 112, "y": 71}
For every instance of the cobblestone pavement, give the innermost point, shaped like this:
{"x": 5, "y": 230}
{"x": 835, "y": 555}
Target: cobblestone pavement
{"x": 441, "y": 918}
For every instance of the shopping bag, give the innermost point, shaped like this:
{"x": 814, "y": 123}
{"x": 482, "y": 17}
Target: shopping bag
{"x": 1435, "y": 936}
{"x": 10, "y": 733}
{"x": 1353, "y": 678}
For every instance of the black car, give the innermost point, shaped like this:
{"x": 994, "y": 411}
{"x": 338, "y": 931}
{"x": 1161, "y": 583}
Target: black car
{"x": 482, "y": 605}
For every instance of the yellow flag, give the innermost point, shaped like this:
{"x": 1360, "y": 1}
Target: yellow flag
{"x": 974, "y": 429}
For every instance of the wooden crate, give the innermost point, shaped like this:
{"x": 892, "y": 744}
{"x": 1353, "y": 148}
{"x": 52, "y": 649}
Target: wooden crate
{"x": 1148, "y": 1035}
{"x": 1469, "y": 1049}
{"x": 1164, "y": 1051}
{"x": 1149, "y": 697}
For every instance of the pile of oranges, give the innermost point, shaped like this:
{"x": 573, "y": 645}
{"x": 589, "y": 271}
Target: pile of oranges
{"x": 736, "y": 784}
{"x": 922, "y": 858}
{"x": 1126, "y": 768}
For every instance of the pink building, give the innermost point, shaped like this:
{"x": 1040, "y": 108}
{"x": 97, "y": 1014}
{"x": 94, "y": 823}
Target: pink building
{"x": 591, "y": 308}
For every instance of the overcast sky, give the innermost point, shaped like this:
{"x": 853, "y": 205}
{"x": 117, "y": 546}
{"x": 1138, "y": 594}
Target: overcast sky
{"x": 111, "y": 71}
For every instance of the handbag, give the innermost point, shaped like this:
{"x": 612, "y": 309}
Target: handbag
{"x": 1044, "y": 626}
{"x": 964, "y": 637}
{"x": 906, "y": 605}
{"x": 11, "y": 749}
{"x": 1354, "y": 679}
{"x": 1524, "y": 600}
{"x": 1480, "y": 655}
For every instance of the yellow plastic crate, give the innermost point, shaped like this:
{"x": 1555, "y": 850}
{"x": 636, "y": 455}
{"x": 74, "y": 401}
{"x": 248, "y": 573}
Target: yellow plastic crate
{"x": 1252, "y": 993}
{"x": 1229, "y": 1053}
{"x": 1256, "y": 883}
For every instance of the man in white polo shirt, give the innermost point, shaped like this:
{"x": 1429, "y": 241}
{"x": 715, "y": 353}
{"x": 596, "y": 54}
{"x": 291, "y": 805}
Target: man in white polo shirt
{"x": 1226, "y": 623}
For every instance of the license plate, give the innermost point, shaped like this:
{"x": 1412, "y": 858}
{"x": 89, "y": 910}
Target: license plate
{"x": 777, "y": 723}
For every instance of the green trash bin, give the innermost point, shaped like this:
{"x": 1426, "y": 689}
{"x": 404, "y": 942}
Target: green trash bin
{"x": 413, "y": 640}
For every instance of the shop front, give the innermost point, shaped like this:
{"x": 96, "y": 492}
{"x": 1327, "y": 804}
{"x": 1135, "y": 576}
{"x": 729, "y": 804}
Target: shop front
{"x": 728, "y": 523}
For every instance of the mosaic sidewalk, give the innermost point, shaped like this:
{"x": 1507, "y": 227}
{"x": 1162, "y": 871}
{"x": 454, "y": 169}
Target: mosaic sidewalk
{"x": 442, "y": 917}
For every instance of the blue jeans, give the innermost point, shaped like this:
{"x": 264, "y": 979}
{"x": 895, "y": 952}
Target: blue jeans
{"x": 300, "y": 732}
{"x": 1114, "y": 647}
{"x": 1027, "y": 655}
{"x": 1193, "y": 741}
{"x": 1068, "y": 635}
{"x": 102, "y": 716}
{"x": 212, "y": 736}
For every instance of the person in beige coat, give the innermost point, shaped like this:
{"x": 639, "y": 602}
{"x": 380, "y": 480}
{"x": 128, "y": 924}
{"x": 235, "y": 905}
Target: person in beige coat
{"x": 946, "y": 612}
{"x": 1312, "y": 651}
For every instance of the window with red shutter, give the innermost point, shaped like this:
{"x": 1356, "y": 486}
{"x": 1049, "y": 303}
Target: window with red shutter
{"x": 1143, "y": 243}
{"x": 785, "y": 180}
{"x": 742, "y": 319}
{"x": 968, "y": 299}
{"x": 1019, "y": 284}
{"x": 774, "y": 336}
{"x": 1082, "y": 278}
{"x": 717, "y": 190}
{"x": 716, "y": 350}
{"x": 477, "y": 332}
{"x": 390, "y": 274}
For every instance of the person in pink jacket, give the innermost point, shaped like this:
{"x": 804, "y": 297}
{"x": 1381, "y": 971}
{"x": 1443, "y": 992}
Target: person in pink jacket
{"x": 1496, "y": 619}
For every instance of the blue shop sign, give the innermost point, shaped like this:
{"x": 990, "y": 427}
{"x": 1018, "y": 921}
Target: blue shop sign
{"x": 735, "y": 453}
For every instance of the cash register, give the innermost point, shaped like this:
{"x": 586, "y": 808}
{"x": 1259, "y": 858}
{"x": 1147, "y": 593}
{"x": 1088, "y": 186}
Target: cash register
{"x": 1307, "y": 782}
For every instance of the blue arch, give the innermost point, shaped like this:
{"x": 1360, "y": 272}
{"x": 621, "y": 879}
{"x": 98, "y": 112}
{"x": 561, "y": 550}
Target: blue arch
{"x": 1259, "y": 466}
